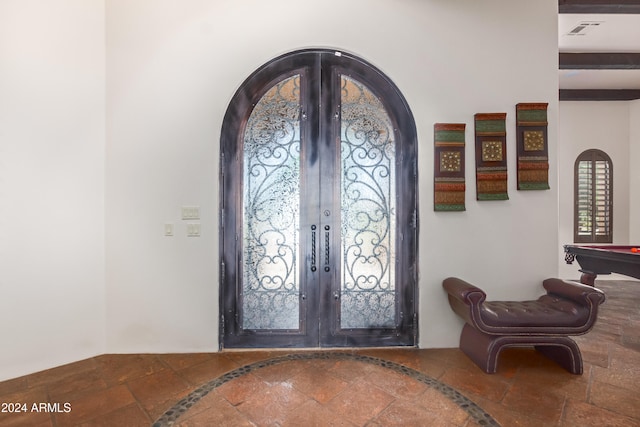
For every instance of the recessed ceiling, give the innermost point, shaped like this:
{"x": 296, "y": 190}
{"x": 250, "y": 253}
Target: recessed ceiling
{"x": 599, "y": 79}
{"x": 599, "y": 33}
{"x": 606, "y": 33}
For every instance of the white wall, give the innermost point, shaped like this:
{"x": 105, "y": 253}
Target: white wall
{"x": 110, "y": 117}
{"x": 171, "y": 71}
{"x": 634, "y": 172}
{"x": 52, "y": 142}
{"x": 605, "y": 126}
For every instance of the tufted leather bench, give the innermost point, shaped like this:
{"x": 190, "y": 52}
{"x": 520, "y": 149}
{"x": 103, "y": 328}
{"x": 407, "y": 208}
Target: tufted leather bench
{"x": 568, "y": 308}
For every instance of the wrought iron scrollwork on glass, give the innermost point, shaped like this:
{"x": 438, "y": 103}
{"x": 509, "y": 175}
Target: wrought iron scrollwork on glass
{"x": 368, "y": 293}
{"x": 271, "y": 205}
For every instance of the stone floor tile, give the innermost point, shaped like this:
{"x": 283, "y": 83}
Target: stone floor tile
{"x": 492, "y": 387}
{"x": 536, "y": 398}
{"x": 224, "y": 415}
{"x": 360, "y": 402}
{"x": 314, "y": 414}
{"x": 402, "y": 413}
{"x": 156, "y": 392}
{"x": 436, "y": 403}
{"x": 272, "y": 405}
{"x": 239, "y": 390}
{"x": 616, "y": 399}
{"x": 395, "y": 383}
{"x": 586, "y": 415}
{"x": 200, "y": 373}
{"x": 317, "y": 384}
{"x": 95, "y": 405}
{"x": 178, "y": 361}
{"x": 120, "y": 368}
{"x": 130, "y": 415}
{"x": 374, "y": 387}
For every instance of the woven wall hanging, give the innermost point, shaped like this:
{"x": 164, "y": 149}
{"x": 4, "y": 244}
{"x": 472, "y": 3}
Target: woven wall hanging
{"x": 491, "y": 156}
{"x": 533, "y": 150}
{"x": 449, "y": 182}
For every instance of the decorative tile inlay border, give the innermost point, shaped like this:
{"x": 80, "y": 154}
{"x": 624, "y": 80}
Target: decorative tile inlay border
{"x": 477, "y": 413}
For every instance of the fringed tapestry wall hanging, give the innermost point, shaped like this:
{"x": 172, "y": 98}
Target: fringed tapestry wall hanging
{"x": 533, "y": 152}
{"x": 491, "y": 156}
{"x": 449, "y": 184}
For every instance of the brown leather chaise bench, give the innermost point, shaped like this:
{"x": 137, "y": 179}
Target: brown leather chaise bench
{"x": 568, "y": 308}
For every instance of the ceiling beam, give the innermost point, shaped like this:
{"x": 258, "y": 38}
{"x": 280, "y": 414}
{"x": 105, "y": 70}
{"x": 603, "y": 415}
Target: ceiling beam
{"x": 599, "y": 6}
{"x": 599, "y": 94}
{"x": 599, "y": 61}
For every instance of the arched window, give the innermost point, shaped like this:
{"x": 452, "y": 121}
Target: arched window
{"x": 319, "y": 207}
{"x": 593, "y": 198}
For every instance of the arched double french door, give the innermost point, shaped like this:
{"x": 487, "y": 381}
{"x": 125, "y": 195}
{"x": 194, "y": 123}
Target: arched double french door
{"x": 319, "y": 207}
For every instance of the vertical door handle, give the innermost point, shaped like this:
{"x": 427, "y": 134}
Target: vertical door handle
{"x": 313, "y": 248}
{"x": 326, "y": 248}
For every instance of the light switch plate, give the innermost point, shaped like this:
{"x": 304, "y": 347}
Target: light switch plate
{"x": 168, "y": 229}
{"x": 190, "y": 212}
{"x": 193, "y": 229}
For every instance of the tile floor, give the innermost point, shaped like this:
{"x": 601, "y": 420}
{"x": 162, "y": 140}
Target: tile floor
{"x": 527, "y": 390}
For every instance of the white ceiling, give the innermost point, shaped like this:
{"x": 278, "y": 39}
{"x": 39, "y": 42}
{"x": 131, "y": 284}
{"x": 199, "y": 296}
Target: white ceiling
{"x": 605, "y": 33}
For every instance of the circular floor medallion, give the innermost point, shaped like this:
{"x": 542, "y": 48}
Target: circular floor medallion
{"x": 476, "y": 413}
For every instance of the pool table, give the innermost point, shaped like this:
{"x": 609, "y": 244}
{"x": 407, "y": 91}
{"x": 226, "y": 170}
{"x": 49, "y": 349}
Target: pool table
{"x": 604, "y": 259}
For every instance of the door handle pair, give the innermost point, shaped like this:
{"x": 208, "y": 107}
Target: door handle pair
{"x": 327, "y": 249}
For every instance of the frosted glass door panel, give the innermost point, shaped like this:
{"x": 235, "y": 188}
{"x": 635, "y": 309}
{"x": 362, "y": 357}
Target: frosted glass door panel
{"x": 271, "y": 204}
{"x": 368, "y": 294}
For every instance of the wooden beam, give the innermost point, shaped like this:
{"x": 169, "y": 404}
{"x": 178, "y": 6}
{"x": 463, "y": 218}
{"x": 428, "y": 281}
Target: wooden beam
{"x": 599, "y": 6}
{"x": 599, "y": 94}
{"x": 599, "y": 61}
